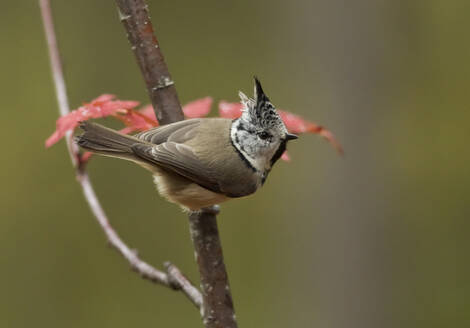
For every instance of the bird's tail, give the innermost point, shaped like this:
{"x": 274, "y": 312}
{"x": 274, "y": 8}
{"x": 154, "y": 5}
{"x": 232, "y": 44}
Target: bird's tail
{"x": 108, "y": 142}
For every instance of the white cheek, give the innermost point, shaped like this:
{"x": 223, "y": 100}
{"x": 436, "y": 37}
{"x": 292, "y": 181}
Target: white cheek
{"x": 257, "y": 151}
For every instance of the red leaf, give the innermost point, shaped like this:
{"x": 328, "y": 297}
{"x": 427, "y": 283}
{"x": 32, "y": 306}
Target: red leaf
{"x": 230, "y": 110}
{"x": 148, "y": 111}
{"x": 135, "y": 121}
{"x": 297, "y": 124}
{"x": 107, "y": 105}
{"x": 86, "y": 157}
{"x": 102, "y": 106}
{"x": 104, "y": 98}
{"x": 63, "y": 124}
{"x": 54, "y": 138}
{"x": 285, "y": 156}
{"x": 198, "y": 108}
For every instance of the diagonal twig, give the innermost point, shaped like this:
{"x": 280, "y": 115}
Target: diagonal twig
{"x": 173, "y": 278}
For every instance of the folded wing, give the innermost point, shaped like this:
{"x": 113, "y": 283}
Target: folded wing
{"x": 180, "y": 159}
{"x": 177, "y": 132}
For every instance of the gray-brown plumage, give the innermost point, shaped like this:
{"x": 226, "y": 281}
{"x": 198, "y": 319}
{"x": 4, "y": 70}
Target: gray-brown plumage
{"x": 201, "y": 162}
{"x": 186, "y": 171}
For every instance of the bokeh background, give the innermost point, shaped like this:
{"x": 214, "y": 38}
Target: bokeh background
{"x": 378, "y": 238}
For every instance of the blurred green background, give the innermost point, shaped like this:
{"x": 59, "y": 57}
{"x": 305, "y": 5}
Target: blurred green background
{"x": 378, "y": 238}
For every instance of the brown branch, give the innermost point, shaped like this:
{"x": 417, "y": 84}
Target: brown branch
{"x": 218, "y": 308}
{"x": 134, "y": 15}
{"x": 173, "y": 278}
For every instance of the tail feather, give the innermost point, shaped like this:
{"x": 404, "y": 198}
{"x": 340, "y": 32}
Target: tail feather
{"x": 104, "y": 141}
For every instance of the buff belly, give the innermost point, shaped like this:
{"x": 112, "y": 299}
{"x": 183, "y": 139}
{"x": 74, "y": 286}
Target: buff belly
{"x": 189, "y": 195}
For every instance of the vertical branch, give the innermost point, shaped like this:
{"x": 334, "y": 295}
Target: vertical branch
{"x": 217, "y": 308}
{"x": 217, "y": 299}
{"x": 134, "y": 15}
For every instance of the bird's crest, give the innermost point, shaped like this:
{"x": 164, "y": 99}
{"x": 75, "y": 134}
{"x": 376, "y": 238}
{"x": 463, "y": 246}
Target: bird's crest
{"x": 259, "y": 111}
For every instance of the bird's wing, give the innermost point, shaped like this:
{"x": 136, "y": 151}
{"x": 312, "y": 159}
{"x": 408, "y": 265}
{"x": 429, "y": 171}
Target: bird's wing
{"x": 180, "y": 159}
{"x": 178, "y": 132}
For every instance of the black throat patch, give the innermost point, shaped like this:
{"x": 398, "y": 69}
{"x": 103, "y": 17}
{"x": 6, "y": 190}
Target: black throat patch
{"x": 280, "y": 150}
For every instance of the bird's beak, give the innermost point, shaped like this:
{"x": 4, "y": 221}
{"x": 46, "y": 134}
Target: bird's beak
{"x": 291, "y": 136}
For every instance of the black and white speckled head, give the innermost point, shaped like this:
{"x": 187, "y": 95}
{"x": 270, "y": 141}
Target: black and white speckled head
{"x": 260, "y": 111}
{"x": 259, "y": 134}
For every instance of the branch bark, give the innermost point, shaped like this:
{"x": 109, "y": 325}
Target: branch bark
{"x": 134, "y": 15}
{"x": 218, "y": 306}
{"x": 173, "y": 278}
{"x": 217, "y": 310}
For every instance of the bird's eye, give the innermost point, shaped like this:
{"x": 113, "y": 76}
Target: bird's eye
{"x": 264, "y": 135}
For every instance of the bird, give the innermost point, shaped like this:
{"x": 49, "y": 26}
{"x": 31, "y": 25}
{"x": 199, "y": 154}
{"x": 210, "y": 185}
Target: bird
{"x": 201, "y": 162}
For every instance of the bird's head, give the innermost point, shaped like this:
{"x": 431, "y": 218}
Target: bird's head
{"x": 260, "y": 134}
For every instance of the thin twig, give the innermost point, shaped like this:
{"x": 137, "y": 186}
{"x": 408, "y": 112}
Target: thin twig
{"x": 57, "y": 73}
{"x": 179, "y": 280}
{"x": 217, "y": 308}
{"x": 173, "y": 278}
